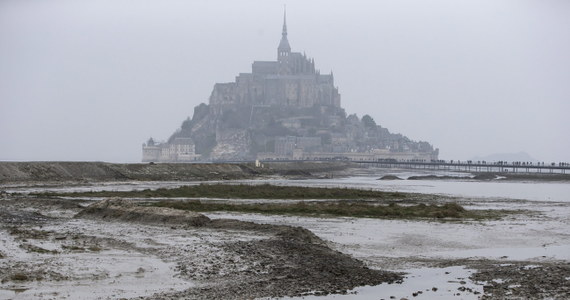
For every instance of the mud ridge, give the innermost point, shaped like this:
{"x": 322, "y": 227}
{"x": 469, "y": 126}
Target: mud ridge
{"x": 129, "y": 211}
{"x": 291, "y": 262}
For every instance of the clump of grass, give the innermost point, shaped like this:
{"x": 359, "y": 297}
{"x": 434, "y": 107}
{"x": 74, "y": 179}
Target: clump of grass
{"x": 342, "y": 208}
{"x": 36, "y": 249}
{"x": 29, "y": 233}
{"x": 19, "y": 277}
{"x": 73, "y": 248}
{"x": 95, "y": 248}
{"x": 243, "y": 191}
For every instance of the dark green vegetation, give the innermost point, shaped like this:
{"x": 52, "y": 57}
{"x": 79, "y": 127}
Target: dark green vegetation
{"x": 242, "y": 191}
{"x": 36, "y": 249}
{"x": 342, "y": 208}
{"x": 19, "y": 277}
{"x": 345, "y": 202}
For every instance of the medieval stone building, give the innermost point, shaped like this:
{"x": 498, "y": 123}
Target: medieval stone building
{"x": 291, "y": 80}
{"x": 180, "y": 150}
{"x": 283, "y": 109}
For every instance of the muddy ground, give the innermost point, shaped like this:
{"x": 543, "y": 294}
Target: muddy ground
{"x": 41, "y": 240}
{"x": 63, "y": 249}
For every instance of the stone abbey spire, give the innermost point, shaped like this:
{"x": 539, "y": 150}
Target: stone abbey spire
{"x": 284, "y": 48}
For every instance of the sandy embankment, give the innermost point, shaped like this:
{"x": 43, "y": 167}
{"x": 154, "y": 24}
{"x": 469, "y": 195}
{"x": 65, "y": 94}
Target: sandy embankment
{"x": 46, "y": 172}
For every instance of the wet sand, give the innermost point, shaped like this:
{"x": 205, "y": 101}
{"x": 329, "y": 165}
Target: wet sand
{"x": 47, "y": 252}
{"x": 117, "y": 249}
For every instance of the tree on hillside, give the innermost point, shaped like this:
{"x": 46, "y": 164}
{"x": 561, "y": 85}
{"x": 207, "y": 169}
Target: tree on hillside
{"x": 368, "y": 122}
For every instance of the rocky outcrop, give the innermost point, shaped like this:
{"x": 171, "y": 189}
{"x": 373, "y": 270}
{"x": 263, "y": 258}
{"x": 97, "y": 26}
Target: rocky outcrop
{"x": 389, "y": 177}
{"x": 231, "y": 144}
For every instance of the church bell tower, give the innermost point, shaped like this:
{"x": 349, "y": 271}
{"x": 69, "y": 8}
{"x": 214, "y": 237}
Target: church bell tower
{"x": 284, "y": 50}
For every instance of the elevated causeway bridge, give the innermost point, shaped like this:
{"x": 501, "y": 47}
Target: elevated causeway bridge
{"x": 466, "y": 166}
{"x": 500, "y": 167}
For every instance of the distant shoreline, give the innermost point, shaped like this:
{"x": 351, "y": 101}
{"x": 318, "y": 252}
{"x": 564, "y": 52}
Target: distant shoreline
{"x": 19, "y": 172}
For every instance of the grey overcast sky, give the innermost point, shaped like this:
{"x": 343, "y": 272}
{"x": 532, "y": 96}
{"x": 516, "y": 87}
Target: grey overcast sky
{"x": 92, "y": 80}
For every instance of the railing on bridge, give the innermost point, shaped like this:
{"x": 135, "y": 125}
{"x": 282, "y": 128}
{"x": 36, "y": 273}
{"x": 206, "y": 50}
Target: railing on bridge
{"x": 452, "y": 165}
{"x": 469, "y": 166}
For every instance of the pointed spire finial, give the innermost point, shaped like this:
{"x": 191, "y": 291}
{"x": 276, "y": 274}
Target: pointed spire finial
{"x": 284, "y": 49}
{"x": 284, "y": 20}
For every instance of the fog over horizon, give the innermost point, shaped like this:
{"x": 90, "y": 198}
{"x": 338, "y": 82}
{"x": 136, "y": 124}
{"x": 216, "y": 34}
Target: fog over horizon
{"x": 93, "y": 80}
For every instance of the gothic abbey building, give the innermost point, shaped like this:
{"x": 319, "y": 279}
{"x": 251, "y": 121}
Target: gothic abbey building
{"x": 292, "y": 80}
{"x": 283, "y": 109}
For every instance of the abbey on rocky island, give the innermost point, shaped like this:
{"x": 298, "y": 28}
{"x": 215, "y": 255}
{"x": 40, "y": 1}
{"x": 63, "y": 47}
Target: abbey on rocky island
{"x": 283, "y": 109}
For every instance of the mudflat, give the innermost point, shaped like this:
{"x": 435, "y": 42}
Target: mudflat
{"x": 55, "y": 248}
{"x": 116, "y": 246}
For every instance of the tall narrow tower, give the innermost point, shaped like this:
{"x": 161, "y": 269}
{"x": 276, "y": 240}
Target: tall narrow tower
{"x": 284, "y": 49}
